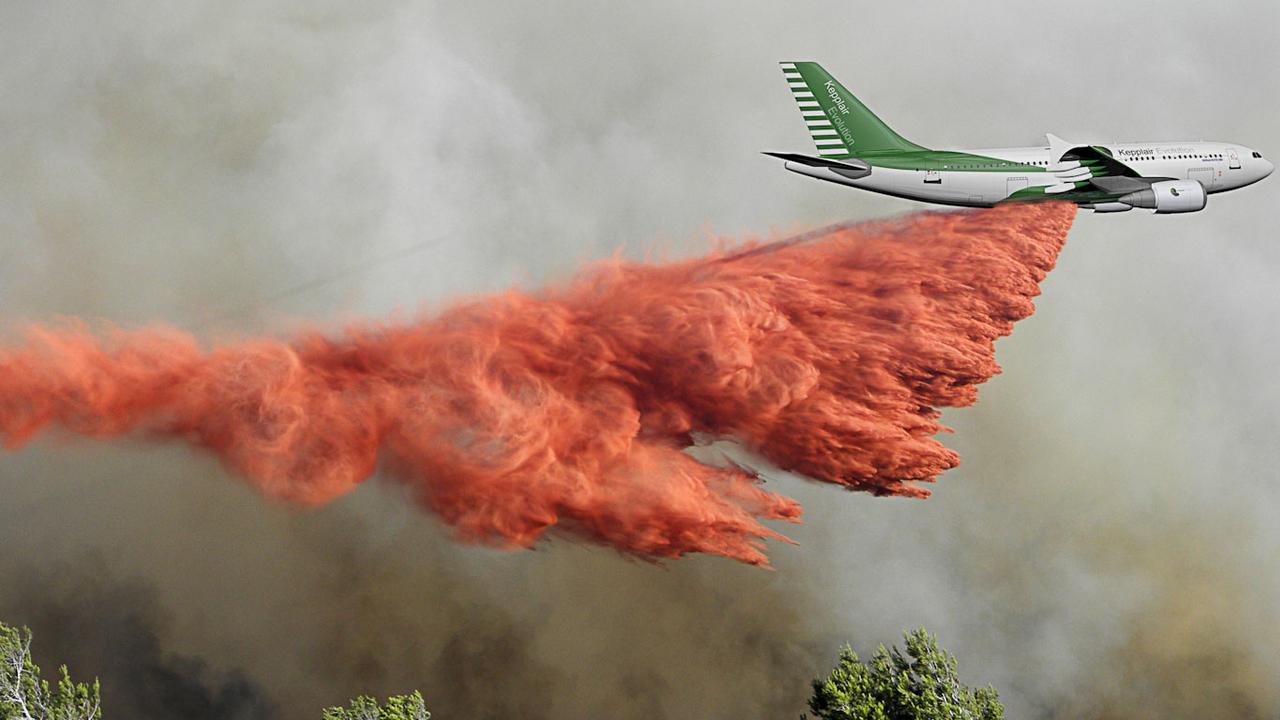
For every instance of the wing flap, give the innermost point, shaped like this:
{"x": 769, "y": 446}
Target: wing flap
{"x": 1077, "y": 165}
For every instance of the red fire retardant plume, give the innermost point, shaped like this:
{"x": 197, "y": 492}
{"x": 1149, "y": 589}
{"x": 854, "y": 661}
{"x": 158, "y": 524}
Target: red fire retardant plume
{"x": 513, "y": 414}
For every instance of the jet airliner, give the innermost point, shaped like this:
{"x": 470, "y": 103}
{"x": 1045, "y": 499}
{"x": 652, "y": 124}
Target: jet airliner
{"x": 856, "y": 148}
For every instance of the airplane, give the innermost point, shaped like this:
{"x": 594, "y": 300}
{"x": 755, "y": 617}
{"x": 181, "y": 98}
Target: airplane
{"x": 857, "y": 149}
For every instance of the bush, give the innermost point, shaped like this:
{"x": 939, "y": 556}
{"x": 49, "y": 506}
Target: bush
{"x": 398, "y": 707}
{"x": 920, "y": 684}
{"x": 24, "y": 696}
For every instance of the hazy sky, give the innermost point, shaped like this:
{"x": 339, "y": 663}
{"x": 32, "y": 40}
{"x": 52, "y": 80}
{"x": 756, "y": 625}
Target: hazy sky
{"x": 1105, "y": 550}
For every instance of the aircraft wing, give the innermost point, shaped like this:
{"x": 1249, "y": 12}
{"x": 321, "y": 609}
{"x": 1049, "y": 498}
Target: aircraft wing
{"x": 1080, "y": 165}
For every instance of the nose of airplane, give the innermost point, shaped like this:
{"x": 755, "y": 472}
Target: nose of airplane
{"x": 1267, "y": 168}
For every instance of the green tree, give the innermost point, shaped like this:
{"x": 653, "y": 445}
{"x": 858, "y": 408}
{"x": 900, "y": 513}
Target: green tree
{"x": 398, "y": 707}
{"x": 24, "y": 696}
{"x": 920, "y": 684}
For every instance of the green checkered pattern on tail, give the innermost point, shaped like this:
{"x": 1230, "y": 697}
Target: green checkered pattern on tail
{"x": 841, "y": 126}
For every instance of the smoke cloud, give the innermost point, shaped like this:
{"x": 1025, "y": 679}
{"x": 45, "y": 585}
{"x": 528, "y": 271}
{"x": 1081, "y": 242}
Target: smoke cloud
{"x": 519, "y": 413}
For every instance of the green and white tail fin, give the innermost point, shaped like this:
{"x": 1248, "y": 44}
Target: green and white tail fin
{"x": 841, "y": 126}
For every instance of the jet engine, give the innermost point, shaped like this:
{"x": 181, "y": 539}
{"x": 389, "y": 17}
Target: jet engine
{"x": 1169, "y": 196}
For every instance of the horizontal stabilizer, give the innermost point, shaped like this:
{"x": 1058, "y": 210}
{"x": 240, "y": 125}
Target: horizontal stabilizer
{"x": 852, "y": 164}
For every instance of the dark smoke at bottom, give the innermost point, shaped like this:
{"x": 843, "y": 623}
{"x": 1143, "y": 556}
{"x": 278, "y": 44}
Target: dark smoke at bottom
{"x": 111, "y": 628}
{"x": 356, "y": 606}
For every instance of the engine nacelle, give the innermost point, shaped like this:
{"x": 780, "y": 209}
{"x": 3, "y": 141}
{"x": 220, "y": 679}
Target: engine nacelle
{"x": 1169, "y": 196}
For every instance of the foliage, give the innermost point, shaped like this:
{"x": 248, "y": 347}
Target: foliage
{"x": 920, "y": 684}
{"x": 398, "y": 707}
{"x": 24, "y": 696}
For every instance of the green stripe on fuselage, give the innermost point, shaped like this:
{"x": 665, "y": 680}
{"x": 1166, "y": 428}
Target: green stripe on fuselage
{"x": 943, "y": 160}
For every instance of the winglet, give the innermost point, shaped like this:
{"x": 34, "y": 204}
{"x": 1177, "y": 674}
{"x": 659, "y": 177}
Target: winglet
{"x": 1058, "y": 147}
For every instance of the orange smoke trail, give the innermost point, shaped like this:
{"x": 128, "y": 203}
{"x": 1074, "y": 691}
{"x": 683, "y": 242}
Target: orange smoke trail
{"x": 569, "y": 409}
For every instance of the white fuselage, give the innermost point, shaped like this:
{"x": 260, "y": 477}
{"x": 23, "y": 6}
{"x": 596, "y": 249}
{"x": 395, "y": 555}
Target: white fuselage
{"x": 1218, "y": 167}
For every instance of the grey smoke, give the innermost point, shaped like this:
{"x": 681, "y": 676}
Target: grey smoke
{"x": 1105, "y": 550}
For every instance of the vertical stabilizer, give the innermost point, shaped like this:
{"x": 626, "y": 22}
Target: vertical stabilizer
{"x": 840, "y": 124}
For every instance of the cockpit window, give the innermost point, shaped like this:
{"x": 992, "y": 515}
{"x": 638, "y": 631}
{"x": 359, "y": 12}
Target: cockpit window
{"x": 1257, "y": 154}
